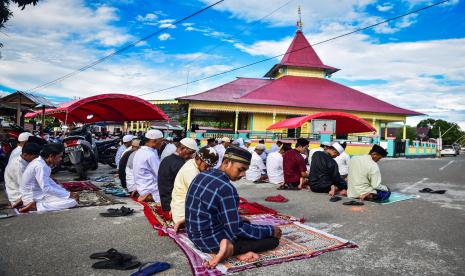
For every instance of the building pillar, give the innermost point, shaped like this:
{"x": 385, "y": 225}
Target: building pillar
{"x": 404, "y": 131}
{"x": 424, "y": 148}
{"x": 417, "y": 146}
{"x": 132, "y": 126}
{"x": 407, "y": 147}
{"x": 390, "y": 146}
{"x": 188, "y": 127}
{"x": 125, "y": 127}
{"x": 385, "y": 131}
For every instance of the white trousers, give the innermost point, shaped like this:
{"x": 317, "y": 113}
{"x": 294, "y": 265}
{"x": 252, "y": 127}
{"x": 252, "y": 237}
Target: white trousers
{"x": 131, "y": 186}
{"x": 53, "y": 203}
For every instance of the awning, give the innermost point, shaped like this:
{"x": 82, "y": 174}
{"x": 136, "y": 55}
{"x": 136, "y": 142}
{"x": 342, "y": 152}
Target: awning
{"x": 106, "y": 107}
{"x": 345, "y": 122}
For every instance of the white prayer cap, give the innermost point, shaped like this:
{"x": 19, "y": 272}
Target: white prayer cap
{"x": 260, "y": 147}
{"x": 154, "y": 134}
{"x": 127, "y": 138}
{"x": 225, "y": 140}
{"x": 327, "y": 144}
{"x": 247, "y": 141}
{"x": 189, "y": 143}
{"x": 338, "y": 147}
{"x": 169, "y": 138}
{"x": 23, "y": 137}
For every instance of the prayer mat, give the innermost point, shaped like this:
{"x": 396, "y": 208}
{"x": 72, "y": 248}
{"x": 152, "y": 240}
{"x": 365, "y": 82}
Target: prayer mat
{"x": 95, "y": 198}
{"x": 77, "y": 186}
{"x": 298, "y": 241}
{"x": 396, "y": 197}
{"x": 276, "y": 198}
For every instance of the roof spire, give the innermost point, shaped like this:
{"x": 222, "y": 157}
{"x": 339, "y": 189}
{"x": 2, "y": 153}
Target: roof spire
{"x": 299, "y": 23}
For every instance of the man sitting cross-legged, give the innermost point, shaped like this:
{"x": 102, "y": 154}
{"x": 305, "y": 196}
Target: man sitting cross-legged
{"x": 365, "y": 177}
{"x": 213, "y": 222}
{"x": 39, "y": 191}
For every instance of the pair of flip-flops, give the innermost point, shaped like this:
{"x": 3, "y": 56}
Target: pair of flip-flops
{"x": 112, "y": 259}
{"x": 288, "y": 187}
{"x": 431, "y": 191}
{"x": 350, "y": 203}
{"x": 121, "y": 212}
{"x": 4, "y": 215}
{"x": 116, "y": 192}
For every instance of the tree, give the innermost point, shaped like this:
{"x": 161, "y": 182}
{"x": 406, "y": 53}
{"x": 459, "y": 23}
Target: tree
{"x": 5, "y": 12}
{"x": 449, "y": 136}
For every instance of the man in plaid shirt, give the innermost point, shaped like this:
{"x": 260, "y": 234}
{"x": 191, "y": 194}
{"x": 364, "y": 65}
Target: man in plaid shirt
{"x": 213, "y": 222}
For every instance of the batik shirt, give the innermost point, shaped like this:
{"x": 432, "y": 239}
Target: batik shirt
{"x": 212, "y": 213}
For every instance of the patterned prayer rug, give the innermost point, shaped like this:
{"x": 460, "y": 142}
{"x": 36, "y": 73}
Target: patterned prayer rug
{"x": 298, "y": 241}
{"x": 77, "y": 186}
{"x": 396, "y": 197}
{"x": 95, "y": 198}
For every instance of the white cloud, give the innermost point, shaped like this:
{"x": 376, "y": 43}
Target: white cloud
{"x": 166, "y": 21}
{"x": 167, "y": 25}
{"x": 149, "y": 17}
{"x": 384, "y": 7}
{"x": 164, "y": 36}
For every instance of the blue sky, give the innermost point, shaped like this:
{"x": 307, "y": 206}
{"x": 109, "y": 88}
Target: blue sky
{"x": 416, "y": 62}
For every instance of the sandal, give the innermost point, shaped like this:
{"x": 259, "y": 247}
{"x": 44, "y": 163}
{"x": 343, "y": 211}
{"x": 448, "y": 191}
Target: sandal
{"x": 353, "y": 203}
{"x": 431, "y": 191}
{"x": 151, "y": 268}
{"x": 122, "y": 212}
{"x": 335, "y": 198}
{"x": 110, "y": 254}
{"x": 118, "y": 263}
{"x": 4, "y": 215}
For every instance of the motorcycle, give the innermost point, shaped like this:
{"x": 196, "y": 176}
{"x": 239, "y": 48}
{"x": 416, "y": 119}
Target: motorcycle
{"x": 81, "y": 152}
{"x": 107, "y": 151}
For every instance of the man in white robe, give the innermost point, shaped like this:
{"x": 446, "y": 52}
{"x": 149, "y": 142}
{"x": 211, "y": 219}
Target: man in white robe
{"x": 145, "y": 167}
{"x": 39, "y": 191}
{"x": 274, "y": 167}
{"x": 257, "y": 168}
{"x": 342, "y": 161}
{"x": 14, "y": 172}
{"x": 22, "y": 139}
{"x": 127, "y": 139}
{"x": 169, "y": 149}
{"x": 225, "y": 142}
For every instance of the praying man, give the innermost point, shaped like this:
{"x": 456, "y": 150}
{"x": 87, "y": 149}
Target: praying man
{"x": 213, "y": 222}
{"x": 365, "y": 177}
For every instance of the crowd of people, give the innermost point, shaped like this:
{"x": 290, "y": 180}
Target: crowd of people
{"x": 193, "y": 184}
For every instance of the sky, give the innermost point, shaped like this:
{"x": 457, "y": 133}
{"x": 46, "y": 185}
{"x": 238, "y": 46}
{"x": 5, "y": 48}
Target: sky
{"x": 416, "y": 62}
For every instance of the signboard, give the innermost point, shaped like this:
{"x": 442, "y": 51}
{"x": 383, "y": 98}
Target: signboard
{"x": 319, "y": 125}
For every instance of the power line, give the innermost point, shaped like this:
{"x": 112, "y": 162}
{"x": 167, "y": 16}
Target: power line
{"x": 124, "y": 48}
{"x": 296, "y": 50}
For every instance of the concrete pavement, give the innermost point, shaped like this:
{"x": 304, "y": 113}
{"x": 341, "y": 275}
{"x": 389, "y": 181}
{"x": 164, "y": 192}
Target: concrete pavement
{"x": 416, "y": 237}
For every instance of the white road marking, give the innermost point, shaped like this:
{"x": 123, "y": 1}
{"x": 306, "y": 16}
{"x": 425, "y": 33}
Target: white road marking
{"x": 443, "y": 167}
{"x": 414, "y": 184}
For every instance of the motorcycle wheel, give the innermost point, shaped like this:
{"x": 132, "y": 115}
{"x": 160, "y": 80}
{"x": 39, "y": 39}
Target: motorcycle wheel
{"x": 81, "y": 171}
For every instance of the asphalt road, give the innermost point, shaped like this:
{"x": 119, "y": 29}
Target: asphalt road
{"x": 424, "y": 236}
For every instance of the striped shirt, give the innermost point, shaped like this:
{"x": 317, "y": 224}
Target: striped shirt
{"x": 212, "y": 213}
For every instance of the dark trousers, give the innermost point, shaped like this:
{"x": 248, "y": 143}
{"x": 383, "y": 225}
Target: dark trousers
{"x": 326, "y": 187}
{"x": 242, "y": 245}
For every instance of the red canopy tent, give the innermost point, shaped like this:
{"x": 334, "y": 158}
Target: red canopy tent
{"x": 345, "y": 122}
{"x": 105, "y": 107}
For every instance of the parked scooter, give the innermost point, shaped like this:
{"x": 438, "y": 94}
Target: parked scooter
{"x": 80, "y": 152}
{"x": 107, "y": 151}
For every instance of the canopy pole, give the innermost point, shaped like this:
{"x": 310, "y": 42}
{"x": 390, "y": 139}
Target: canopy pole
{"x": 66, "y": 121}
{"x": 43, "y": 117}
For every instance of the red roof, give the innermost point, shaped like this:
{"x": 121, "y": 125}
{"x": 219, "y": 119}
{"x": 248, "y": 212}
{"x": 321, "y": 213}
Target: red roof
{"x": 230, "y": 91}
{"x": 307, "y": 92}
{"x": 345, "y": 122}
{"x": 301, "y": 54}
{"x": 107, "y": 107}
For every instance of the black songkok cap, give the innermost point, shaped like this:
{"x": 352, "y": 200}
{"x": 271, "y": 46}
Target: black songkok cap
{"x": 379, "y": 149}
{"x": 238, "y": 155}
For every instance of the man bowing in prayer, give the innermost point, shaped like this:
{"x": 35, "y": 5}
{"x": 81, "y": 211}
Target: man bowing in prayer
{"x": 145, "y": 167}
{"x": 39, "y": 191}
{"x": 257, "y": 168}
{"x": 213, "y": 222}
{"x": 365, "y": 177}
{"x": 14, "y": 172}
{"x": 324, "y": 172}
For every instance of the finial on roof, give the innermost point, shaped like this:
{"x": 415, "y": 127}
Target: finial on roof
{"x": 299, "y": 23}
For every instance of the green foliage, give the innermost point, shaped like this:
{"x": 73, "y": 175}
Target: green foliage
{"x": 5, "y": 12}
{"x": 449, "y": 136}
